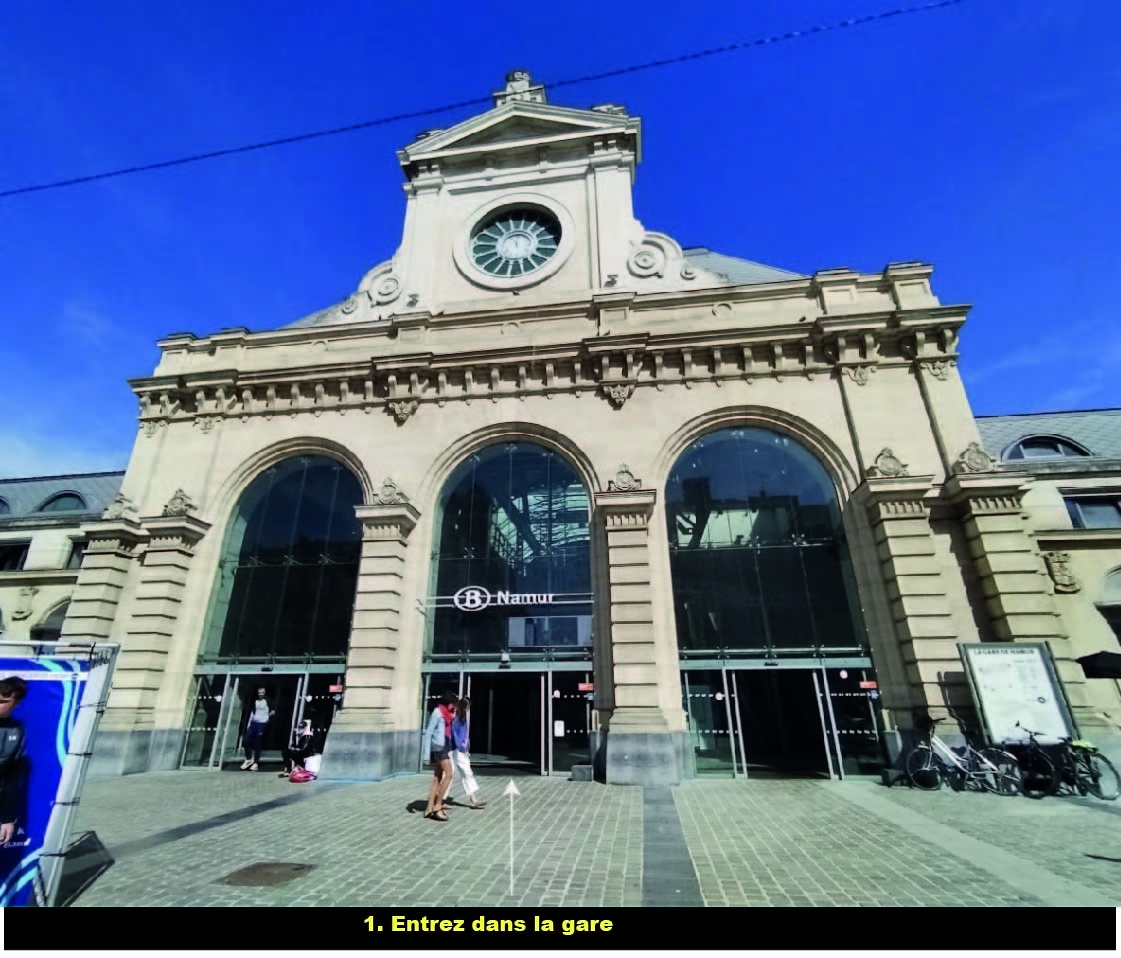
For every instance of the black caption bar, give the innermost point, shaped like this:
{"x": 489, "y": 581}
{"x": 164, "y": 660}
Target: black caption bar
{"x": 604, "y": 929}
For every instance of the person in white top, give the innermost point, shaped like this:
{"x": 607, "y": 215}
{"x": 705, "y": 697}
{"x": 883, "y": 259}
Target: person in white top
{"x": 255, "y": 731}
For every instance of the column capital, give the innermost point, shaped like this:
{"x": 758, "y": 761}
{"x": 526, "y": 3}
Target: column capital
{"x": 894, "y": 497}
{"x": 393, "y": 520}
{"x": 630, "y": 508}
{"x": 986, "y": 493}
{"x": 122, "y": 534}
{"x": 174, "y": 532}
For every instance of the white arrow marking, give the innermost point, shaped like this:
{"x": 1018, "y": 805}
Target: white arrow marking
{"x": 511, "y": 790}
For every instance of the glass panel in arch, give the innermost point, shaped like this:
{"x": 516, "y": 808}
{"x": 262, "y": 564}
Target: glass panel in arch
{"x": 514, "y": 525}
{"x": 757, "y": 550}
{"x": 289, "y": 565}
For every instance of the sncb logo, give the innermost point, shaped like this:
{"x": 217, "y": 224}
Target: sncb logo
{"x": 471, "y": 598}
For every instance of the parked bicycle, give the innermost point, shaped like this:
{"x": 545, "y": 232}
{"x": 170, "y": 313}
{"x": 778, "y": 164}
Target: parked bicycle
{"x": 1039, "y": 777}
{"x": 1073, "y": 765}
{"x": 932, "y": 762}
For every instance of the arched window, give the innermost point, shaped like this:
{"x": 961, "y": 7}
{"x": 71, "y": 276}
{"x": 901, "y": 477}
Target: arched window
{"x": 50, "y": 629}
{"x": 64, "y": 502}
{"x": 1043, "y": 447}
{"x": 1110, "y": 604}
{"x": 757, "y": 552}
{"x": 289, "y": 567}
{"x": 514, "y": 535}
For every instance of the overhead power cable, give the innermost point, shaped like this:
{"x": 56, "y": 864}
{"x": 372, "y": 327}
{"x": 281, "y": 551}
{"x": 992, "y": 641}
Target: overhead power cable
{"x": 416, "y": 114}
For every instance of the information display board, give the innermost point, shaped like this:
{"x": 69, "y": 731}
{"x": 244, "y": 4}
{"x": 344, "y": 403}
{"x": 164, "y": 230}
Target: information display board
{"x": 41, "y": 782}
{"x": 1015, "y": 684}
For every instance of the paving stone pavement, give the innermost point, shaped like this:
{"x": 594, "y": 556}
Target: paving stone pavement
{"x": 175, "y": 835}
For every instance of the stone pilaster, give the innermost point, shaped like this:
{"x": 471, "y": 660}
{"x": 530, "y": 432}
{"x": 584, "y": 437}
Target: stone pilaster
{"x": 1018, "y": 595}
{"x": 926, "y": 634}
{"x": 642, "y": 746}
{"x": 109, "y": 558}
{"x": 365, "y": 740}
{"x": 130, "y": 714}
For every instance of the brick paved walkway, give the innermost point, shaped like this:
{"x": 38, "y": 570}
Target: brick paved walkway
{"x": 175, "y": 835}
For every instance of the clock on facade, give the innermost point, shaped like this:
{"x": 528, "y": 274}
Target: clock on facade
{"x": 514, "y": 242}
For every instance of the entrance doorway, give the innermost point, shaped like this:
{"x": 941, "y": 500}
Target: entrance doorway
{"x": 783, "y": 722}
{"x": 532, "y": 722}
{"x": 220, "y": 710}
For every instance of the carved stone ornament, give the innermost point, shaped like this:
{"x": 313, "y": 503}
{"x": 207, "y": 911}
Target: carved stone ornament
{"x": 887, "y": 464}
{"x": 402, "y": 409}
{"x": 618, "y": 393}
{"x": 390, "y": 494}
{"x": 349, "y": 305}
{"x": 974, "y": 459}
{"x": 858, "y": 374}
{"x": 1058, "y": 567}
{"x": 940, "y": 368}
{"x": 647, "y": 260}
{"x": 387, "y": 289}
{"x": 687, "y": 272}
{"x": 119, "y": 507}
{"x": 206, "y": 423}
{"x": 178, "y": 505}
{"x": 624, "y": 481}
{"x": 23, "y": 603}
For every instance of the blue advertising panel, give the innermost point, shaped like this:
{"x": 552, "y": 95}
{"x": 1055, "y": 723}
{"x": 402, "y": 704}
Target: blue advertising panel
{"x": 48, "y": 714}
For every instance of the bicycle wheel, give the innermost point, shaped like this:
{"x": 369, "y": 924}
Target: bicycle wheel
{"x": 924, "y": 768}
{"x": 1005, "y": 776}
{"x": 1104, "y": 781}
{"x": 1040, "y": 776}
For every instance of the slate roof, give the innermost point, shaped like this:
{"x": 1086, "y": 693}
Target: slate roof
{"x": 1097, "y": 430}
{"x": 738, "y": 272}
{"x": 25, "y": 496}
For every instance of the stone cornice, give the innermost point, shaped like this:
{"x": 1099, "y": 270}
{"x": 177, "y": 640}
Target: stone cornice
{"x": 614, "y": 365}
{"x": 174, "y": 532}
{"x": 1080, "y": 538}
{"x": 39, "y": 577}
{"x": 626, "y": 509}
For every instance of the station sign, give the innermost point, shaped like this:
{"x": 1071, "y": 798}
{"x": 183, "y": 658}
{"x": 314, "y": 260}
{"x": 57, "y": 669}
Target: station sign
{"x": 475, "y": 598}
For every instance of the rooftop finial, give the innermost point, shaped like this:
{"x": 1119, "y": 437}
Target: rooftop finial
{"x": 520, "y": 86}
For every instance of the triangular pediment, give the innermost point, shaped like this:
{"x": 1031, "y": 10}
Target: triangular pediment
{"x": 518, "y": 123}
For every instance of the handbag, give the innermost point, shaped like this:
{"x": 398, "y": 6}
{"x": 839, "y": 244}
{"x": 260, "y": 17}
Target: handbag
{"x": 311, "y": 763}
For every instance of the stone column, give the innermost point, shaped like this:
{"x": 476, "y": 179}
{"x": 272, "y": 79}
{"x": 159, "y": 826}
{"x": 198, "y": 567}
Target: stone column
{"x": 643, "y": 745}
{"x": 152, "y": 743}
{"x": 107, "y": 567}
{"x": 109, "y": 558}
{"x": 1018, "y": 597}
{"x": 925, "y": 631}
{"x": 365, "y": 740}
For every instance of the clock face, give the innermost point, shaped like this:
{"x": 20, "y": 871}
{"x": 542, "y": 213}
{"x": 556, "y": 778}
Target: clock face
{"x": 515, "y": 242}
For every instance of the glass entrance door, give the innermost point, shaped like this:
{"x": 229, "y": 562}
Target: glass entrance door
{"x": 507, "y": 718}
{"x": 783, "y": 722}
{"x": 569, "y": 721}
{"x": 221, "y": 706}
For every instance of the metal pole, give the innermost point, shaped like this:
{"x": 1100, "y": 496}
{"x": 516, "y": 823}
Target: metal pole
{"x": 541, "y": 730}
{"x": 739, "y": 724}
{"x": 549, "y": 720}
{"x": 728, "y": 713}
{"x": 833, "y": 721}
{"x": 824, "y": 733}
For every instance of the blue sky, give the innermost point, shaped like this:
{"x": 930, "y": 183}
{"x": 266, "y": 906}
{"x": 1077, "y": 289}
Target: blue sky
{"x": 984, "y": 138}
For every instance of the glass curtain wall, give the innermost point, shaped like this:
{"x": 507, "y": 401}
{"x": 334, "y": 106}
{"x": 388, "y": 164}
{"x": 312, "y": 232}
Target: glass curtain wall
{"x": 289, "y": 568}
{"x": 515, "y": 529}
{"x": 757, "y": 551}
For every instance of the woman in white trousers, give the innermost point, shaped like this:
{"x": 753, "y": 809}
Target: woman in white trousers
{"x": 461, "y": 754}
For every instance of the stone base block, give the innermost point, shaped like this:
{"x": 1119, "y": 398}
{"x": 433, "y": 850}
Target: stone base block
{"x": 369, "y": 755}
{"x": 581, "y": 773}
{"x": 648, "y": 758}
{"x": 131, "y": 751}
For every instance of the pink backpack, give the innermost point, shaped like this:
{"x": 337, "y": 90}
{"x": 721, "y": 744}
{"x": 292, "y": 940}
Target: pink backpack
{"x": 301, "y": 775}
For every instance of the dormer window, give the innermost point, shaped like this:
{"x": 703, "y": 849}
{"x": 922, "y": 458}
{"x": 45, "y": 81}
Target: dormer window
{"x": 64, "y": 502}
{"x": 1044, "y": 447}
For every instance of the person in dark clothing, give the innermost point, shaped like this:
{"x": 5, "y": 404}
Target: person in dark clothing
{"x": 13, "y": 764}
{"x": 301, "y": 746}
{"x": 261, "y": 713}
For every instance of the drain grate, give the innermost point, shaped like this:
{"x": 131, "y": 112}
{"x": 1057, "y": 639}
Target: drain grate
{"x": 263, "y": 874}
